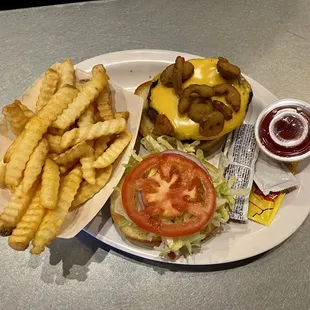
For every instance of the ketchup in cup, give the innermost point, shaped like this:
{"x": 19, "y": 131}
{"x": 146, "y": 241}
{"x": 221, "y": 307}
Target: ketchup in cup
{"x": 283, "y": 130}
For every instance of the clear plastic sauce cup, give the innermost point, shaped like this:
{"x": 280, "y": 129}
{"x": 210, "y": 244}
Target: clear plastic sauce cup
{"x": 282, "y": 130}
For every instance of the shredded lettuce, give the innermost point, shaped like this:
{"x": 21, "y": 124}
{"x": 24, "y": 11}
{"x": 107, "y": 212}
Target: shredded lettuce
{"x": 225, "y": 194}
{"x": 151, "y": 144}
{"x": 164, "y": 143}
{"x": 185, "y": 245}
{"x": 220, "y": 202}
{"x": 133, "y": 160}
{"x": 137, "y": 157}
{"x": 131, "y": 163}
{"x": 176, "y": 245}
{"x": 161, "y": 140}
{"x": 216, "y": 174}
{"x": 231, "y": 181}
{"x": 224, "y": 161}
{"x": 124, "y": 223}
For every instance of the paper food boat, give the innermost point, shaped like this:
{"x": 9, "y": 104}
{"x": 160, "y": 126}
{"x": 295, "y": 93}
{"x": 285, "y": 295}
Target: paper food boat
{"x": 123, "y": 101}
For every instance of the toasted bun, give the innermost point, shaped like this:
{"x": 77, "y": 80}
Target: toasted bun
{"x": 133, "y": 232}
{"x": 147, "y": 126}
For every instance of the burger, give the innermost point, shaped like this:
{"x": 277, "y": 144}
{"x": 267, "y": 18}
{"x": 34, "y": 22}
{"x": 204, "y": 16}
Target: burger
{"x": 171, "y": 197}
{"x": 195, "y": 100}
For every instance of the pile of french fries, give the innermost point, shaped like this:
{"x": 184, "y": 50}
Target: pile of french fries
{"x": 62, "y": 155}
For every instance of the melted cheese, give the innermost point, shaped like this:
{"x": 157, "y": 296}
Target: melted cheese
{"x": 164, "y": 100}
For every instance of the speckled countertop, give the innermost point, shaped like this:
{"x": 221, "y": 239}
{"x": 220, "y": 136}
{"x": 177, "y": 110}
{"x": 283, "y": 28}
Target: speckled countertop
{"x": 270, "y": 40}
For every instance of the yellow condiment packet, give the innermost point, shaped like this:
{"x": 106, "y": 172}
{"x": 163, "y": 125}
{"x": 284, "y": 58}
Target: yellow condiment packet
{"x": 263, "y": 208}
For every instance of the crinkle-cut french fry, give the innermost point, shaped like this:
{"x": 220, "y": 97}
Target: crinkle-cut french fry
{"x": 50, "y": 185}
{"x": 87, "y": 191}
{"x": 56, "y": 131}
{"x": 5, "y": 228}
{"x": 87, "y": 161}
{"x": 28, "y": 225}
{"x": 114, "y": 150}
{"x": 54, "y": 143}
{"x": 90, "y": 132}
{"x": 16, "y": 117}
{"x": 2, "y": 174}
{"x": 124, "y": 115}
{"x": 16, "y": 208}
{"x": 97, "y": 117}
{"x": 101, "y": 145}
{"x": 34, "y": 165}
{"x": 11, "y": 149}
{"x": 104, "y": 104}
{"x": 66, "y": 73}
{"x": 91, "y": 143}
{"x": 76, "y": 152}
{"x": 87, "y": 118}
{"x": 89, "y": 92}
{"x": 48, "y": 88}
{"x": 33, "y": 132}
{"x": 29, "y": 113}
{"x": 81, "y": 83}
{"x": 53, "y": 220}
{"x": 67, "y": 167}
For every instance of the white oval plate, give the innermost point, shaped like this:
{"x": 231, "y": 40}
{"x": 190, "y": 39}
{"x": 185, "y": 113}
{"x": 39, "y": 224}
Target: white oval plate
{"x": 129, "y": 69}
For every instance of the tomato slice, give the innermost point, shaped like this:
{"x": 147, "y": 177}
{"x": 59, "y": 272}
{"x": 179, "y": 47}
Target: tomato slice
{"x": 169, "y": 185}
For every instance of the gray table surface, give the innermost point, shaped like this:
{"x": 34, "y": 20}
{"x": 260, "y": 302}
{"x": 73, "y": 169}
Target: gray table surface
{"x": 270, "y": 40}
